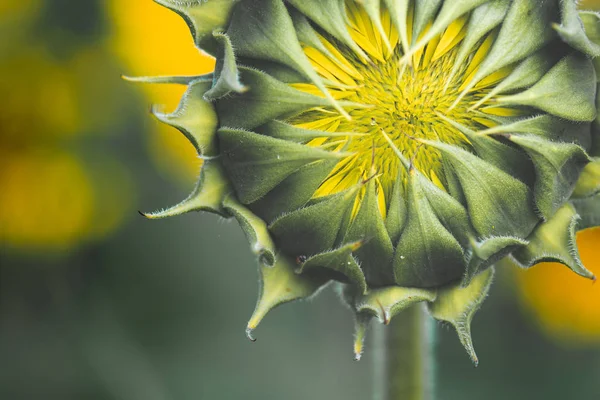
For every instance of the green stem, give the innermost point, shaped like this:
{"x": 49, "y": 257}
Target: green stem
{"x": 404, "y": 369}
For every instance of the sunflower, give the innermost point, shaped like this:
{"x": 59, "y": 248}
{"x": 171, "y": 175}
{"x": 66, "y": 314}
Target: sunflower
{"x": 398, "y": 148}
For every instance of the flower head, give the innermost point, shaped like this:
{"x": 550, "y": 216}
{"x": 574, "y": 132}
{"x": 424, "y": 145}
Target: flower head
{"x": 398, "y": 147}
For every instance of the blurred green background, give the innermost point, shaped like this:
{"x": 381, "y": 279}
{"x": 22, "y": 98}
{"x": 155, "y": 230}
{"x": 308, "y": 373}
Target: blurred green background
{"x": 98, "y": 303}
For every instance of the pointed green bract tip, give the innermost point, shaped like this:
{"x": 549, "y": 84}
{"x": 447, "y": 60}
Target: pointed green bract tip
{"x": 385, "y": 303}
{"x": 487, "y": 252}
{"x": 555, "y": 240}
{"x": 457, "y": 305}
{"x": 361, "y": 324}
{"x": 280, "y": 284}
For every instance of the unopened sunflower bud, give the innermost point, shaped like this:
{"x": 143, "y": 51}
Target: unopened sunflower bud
{"x": 398, "y": 147}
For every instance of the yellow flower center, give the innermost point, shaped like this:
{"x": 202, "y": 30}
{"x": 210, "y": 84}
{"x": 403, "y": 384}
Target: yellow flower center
{"x": 406, "y": 99}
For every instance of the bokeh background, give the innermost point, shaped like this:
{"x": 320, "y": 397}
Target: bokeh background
{"x": 98, "y": 303}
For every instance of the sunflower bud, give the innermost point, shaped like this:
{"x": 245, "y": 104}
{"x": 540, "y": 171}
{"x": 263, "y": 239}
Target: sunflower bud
{"x": 398, "y": 147}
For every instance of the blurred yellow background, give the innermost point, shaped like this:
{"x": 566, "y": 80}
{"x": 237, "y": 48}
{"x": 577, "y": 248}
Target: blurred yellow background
{"x": 147, "y": 50}
{"x": 54, "y": 197}
{"x": 98, "y": 304}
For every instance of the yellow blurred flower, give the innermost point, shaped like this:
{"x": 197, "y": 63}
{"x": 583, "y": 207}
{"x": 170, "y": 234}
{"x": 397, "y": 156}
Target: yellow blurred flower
{"x": 38, "y": 87}
{"x": 565, "y": 306}
{"x": 47, "y": 199}
{"x": 17, "y": 17}
{"x": 157, "y": 42}
{"x": 51, "y": 199}
{"x": 12, "y": 8}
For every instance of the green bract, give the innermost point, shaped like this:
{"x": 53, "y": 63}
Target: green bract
{"x": 399, "y": 148}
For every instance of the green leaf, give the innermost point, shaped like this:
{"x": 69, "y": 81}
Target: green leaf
{"x": 457, "y": 305}
{"x": 293, "y": 192}
{"x": 399, "y": 14}
{"x": 195, "y": 118}
{"x": 329, "y": 15}
{"x": 508, "y": 159}
{"x": 256, "y": 163}
{"x": 452, "y": 183}
{"x": 255, "y": 229}
{"x": 525, "y": 30}
{"x": 425, "y": 12}
{"x": 339, "y": 261}
{"x": 373, "y": 10}
{"x": 498, "y": 204}
{"x": 548, "y": 127}
{"x": 450, "y": 11}
{"x": 316, "y": 228}
{"x": 306, "y": 34}
{"x": 285, "y": 131}
{"x": 171, "y": 80}
{"x": 448, "y": 210}
{"x": 427, "y": 255}
{"x": 375, "y": 254}
{"x": 573, "y": 75}
{"x": 279, "y": 284}
{"x": 226, "y": 76}
{"x": 555, "y": 241}
{"x": 267, "y": 99}
{"x": 361, "y": 324}
{"x": 591, "y": 24}
{"x": 203, "y": 18}
{"x": 525, "y": 74}
{"x": 557, "y": 167}
{"x": 281, "y": 72}
{"x": 487, "y": 252}
{"x": 396, "y": 214}
{"x": 385, "y": 303}
{"x": 208, "y": 195}
{"x": 483, "y": 19}
{"x": 263, "y": 29}
{"x": 572, "y": 29}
